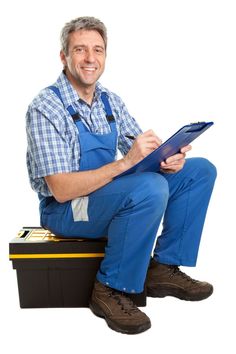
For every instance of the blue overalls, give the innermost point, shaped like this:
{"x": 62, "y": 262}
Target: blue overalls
{"x": 129, "y": 210}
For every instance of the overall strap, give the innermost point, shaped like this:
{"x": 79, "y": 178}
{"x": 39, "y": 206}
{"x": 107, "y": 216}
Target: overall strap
{"x": 75, "y": 115}
{"x": 109, "y": 115}
{"x": 105, "y": 101}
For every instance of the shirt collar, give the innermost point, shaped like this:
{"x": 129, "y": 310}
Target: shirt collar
{"x": 69, "y": 94}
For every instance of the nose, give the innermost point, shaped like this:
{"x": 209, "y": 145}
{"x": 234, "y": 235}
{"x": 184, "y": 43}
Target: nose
{"x": 90, "y": 58}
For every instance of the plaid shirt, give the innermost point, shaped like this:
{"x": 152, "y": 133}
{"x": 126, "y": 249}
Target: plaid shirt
{"x": 53, "y": 144}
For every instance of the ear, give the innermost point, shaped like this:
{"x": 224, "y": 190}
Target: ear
{"x": 63, "y": 58}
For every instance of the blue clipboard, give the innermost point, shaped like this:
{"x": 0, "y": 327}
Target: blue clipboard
{"x": 183, "y": 137}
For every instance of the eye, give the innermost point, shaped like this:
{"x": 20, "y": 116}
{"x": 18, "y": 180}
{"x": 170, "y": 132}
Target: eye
{"x": 99, "y": 50}
{"x": 78, "y": 50}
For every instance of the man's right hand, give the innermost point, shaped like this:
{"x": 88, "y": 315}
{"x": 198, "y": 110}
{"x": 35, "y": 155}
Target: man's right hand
{"x": 143, "y": 145}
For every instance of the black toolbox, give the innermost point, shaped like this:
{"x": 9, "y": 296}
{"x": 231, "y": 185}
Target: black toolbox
{"x": 57, "y": 272}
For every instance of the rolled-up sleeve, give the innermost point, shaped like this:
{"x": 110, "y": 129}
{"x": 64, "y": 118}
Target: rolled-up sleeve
{"x": 48, "y": 150}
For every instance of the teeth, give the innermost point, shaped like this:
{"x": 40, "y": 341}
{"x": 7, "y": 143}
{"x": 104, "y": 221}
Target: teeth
{"x": 89, "y": 69}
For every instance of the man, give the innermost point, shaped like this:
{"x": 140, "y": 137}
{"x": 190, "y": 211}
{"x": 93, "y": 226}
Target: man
{"x": 74, "y": 128}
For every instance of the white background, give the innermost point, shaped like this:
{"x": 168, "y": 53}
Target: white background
{"x": 172, "y": 62}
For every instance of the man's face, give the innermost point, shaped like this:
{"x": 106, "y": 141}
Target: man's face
{"x": 85, "y": 61}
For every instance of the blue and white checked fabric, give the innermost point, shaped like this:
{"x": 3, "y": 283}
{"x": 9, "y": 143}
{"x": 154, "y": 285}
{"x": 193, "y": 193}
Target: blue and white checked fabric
{"x": 52, "y": 136}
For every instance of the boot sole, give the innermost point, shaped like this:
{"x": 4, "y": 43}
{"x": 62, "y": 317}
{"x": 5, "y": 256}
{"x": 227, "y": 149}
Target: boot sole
{"x": 131, "y": 330}
{"x": 161, "y": 292}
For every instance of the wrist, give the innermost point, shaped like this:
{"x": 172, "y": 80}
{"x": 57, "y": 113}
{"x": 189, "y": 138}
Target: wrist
{"x": 124, "y": 164}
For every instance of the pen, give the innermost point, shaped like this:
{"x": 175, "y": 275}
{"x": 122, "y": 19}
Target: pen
{"x": 130, "y": 137}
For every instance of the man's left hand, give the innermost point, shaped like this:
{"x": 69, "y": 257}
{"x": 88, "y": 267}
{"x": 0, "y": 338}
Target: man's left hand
{"x": 176, "y": 162}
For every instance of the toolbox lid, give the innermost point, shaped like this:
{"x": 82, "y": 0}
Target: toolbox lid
{"x": 36, "y": 242}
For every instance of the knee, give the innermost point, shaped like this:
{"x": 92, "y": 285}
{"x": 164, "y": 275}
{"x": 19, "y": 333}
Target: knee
{"x": 158, "y": 186}
{"x": 154, "y": 187}
{"x": 205, "y": 168}
{"x": 208, "y": 168}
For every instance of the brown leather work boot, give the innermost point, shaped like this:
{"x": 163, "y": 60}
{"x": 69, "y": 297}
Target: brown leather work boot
{"x": 118, "y": 310}
{"x": 168, "y": 280}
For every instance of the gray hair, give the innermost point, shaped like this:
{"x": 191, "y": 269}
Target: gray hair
{"x": 80, "y": 23}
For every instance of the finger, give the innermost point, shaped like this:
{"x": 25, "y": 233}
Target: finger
{"x": 174, "y": 158}
{"x": 151, "y": 133}
{"x": 186, "y": 148}
{"x": 171, "y": 169}
{"x": 153, "y": 140}
{"x": 148, "y": 147}
{"x": 171, "y": 165}
{"x": 143, "y": 140}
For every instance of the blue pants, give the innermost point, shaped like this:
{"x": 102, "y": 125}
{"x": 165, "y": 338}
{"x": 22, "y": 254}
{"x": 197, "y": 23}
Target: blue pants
{"x": 129, "y": 211}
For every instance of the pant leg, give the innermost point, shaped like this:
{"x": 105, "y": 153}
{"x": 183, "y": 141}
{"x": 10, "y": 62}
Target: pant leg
{"x": 128, "y": 210}
{"x": 132, "y": 233}
{"x": 190, "y": 191}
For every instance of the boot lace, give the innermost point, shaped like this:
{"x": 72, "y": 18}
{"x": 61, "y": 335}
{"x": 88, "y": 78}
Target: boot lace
{"x": 126, "y": 304}
{"x": 175, "y": 271}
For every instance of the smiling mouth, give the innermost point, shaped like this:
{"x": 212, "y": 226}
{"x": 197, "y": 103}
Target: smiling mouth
{"x": 89, "y": 69}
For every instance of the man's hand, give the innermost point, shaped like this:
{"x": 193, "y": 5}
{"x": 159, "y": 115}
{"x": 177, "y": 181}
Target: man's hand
{"x": 143, "y": 145}
{"x": 176, "y": 162}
